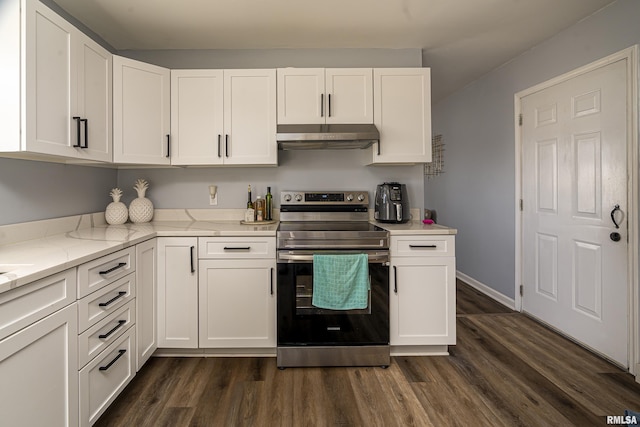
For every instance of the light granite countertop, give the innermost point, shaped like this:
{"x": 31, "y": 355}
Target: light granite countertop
{"x": 56, "y": 249}
{"x": 37, "y": 258}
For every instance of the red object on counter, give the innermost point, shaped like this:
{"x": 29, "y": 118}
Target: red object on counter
{"x": 427, "y": 221}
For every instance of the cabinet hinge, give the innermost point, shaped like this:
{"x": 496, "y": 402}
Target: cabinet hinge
{"x": 520, "y": 120}
{"x": 521, "y": 290}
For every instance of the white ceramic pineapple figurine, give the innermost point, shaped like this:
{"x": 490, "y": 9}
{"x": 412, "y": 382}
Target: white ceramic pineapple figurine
{"x": 116, "y": 212}
{"x": 141, "y": 208}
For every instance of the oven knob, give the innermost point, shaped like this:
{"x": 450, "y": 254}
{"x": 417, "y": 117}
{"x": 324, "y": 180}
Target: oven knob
{"x": 298, "y": 197}
{"x": 349, "y": 197}
{"x": 360, "y": 197}
{"x": 287, "y": 197}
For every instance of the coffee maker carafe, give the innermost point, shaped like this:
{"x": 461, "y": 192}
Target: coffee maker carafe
{"x": 392, "y": 203}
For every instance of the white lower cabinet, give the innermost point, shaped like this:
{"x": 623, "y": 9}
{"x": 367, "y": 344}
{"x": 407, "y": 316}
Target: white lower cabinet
{"x": 146, "y": 301}
{"x": 237, "y": 303}
{"x": 106, "y": 376}
{"x": 177, "y": 292}
{"x": 39, "y": 371}
{"x": 422, "y": 293}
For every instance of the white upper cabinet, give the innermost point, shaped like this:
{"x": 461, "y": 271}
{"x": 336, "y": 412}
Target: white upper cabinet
{"x": 62, "y": 85}
{"x": 94, "y": 107}
{"x": 402, "y": 111}
{"x": 141, "y": 111}
{"x": 223, "y": 117}
{"x": 319, "y": 95}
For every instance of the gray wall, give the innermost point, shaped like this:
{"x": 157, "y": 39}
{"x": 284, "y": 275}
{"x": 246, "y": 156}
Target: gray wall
{"x": 297, "y": 170}
{"x": 476, "y": 194}
{"x": 31, "y": 191}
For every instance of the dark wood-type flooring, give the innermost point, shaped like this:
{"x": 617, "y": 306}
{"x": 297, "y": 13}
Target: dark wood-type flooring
{"x": 506, "y": 370}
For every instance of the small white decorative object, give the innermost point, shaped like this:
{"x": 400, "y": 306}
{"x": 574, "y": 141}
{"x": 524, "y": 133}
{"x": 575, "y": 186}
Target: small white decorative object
{"x": 116, "y": 212}
{"x": 141, "y": 208}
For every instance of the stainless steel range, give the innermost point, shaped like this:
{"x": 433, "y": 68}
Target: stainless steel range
{"x": 330, "y": 223}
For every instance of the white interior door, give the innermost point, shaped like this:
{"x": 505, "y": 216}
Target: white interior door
{"x": 574, "y": 173}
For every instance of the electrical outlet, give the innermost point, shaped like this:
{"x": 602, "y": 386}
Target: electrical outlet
{"x": 213, "y": 195}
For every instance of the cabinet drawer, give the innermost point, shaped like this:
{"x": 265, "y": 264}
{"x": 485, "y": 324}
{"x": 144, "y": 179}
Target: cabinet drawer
{"x": 23, "y": 306}
{"x": 102, "y": 380}
{"x": 423, "y": 246}
{"x": 95, "y": 274}
{"x": 100, "y": 304}
{"x": 95, "y": 339}
{"x": 236, "y": 247}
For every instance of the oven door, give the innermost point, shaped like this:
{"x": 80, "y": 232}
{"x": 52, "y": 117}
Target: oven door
{"x": 302, "y": 324}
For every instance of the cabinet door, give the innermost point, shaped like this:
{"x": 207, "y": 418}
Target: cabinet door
{"x": 422, "y": 304}
{"x": 237, "y": 303}
{"x": 301, "y": 95}
{"x": 39, "y": 371}
{"x": 402, "y": 113}
{"x": 349, "y": 95}
{"x": 94, "y": 99}
{"x": 197, "y": 117}
{"x": 250, "y": 117}
{"x": 50, "y": 89}
{"x": 146, "y": 297}
{"x": 177, "y": 292}
{"x": 141, "y": 110}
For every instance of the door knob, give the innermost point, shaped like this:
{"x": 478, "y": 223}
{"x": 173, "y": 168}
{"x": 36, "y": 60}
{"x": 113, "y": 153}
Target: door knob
{"x": 615, "y": 236}
{"x": 613, "y": 215}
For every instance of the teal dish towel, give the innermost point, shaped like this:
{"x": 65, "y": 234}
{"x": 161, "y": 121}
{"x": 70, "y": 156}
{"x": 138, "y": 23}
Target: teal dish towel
{"x": 341, "y": 282}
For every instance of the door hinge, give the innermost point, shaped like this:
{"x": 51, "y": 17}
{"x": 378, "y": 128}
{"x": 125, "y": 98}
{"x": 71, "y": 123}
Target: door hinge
{"x": 521, "y": 290}
{"x": 521, "y": 205}
{"x": 520, "y": 120}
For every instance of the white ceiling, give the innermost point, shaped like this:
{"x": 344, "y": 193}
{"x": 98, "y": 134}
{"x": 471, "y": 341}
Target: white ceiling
{"x": 461, "y": 39}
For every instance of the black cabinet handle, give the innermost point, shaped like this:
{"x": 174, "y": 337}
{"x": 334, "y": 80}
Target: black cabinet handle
{"x": 378, "y": 144}
{"x": 112, "y": 300}
{"x": 115, "y": 328}
{"x": 112, "y": 269}
{"x": 120, "y": 354}
{"x": 193, "y": 270}
{"x": 168, "y": 146}
{"x": 86, "y": 133}
{"x": 77, "y": 119}
{"x": 329, "y": 105}
{"x": 226, "y": 145}
{"x": 423, "y": 246}
{"x": 395, "y": 279}
{"x": 237, "y": 248}
{"x": 271, "y": 280}
{"x": 322, "y": 105}
{"x": 613, "y": 215}
{"x": 219, "y": 153}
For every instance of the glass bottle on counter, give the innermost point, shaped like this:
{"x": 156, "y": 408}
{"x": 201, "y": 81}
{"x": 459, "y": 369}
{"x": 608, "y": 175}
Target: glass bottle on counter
{"x": 268, "y": 215}
{"x": 260, "y": 208}
{"x": 249, "y": 202}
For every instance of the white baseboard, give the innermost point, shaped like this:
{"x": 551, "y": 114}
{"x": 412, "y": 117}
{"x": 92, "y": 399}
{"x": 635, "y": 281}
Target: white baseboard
{"x": 490, "y": 292}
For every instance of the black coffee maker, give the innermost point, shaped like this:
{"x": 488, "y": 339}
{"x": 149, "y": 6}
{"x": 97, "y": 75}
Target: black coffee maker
{"x": 392, "y": 203}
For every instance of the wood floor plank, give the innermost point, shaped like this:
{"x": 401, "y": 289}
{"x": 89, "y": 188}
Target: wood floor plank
{"x": 506, "y": 370}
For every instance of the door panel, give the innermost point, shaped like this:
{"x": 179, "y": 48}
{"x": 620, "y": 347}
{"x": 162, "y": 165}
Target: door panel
{"x": 574, "y": 171}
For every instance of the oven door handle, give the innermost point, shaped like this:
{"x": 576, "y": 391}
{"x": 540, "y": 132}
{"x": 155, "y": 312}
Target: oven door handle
{"x": 381, "y": 258}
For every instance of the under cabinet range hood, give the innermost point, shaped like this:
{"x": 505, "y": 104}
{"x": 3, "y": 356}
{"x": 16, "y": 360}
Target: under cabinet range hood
{"x": 324, "y": 136}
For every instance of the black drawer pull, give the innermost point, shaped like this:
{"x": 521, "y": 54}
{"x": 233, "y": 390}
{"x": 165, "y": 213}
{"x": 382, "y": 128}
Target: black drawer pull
{"x": 168, "y": 146}
{"x": 192, "y": 259}
{"x": 86, "y": 133}
{"x": 112, "y": 269}
{"x": 423, "y": 246}
{"x": 77, "y": 119}
{"x": 115, "y": 328}
{"x": 112, "y": 300}
{"x": 395, "y": 279}
{"x": 237, "y": 248}
{"x": 219, "y": 153}
{"x": 271, "y": 280}
{"x": 120, "y": 354}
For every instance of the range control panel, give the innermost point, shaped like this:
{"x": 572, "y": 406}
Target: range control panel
{"x": 356, "y": 197}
